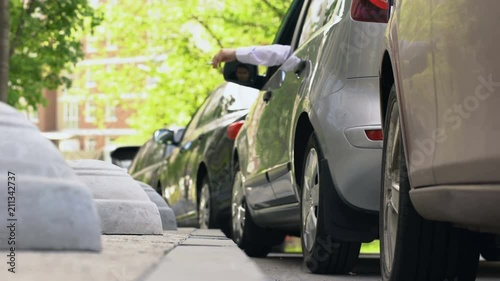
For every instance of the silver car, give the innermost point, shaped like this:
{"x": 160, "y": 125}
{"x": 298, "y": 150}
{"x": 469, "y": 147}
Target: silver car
{"x": 440, "y": 77}
{"x": 307, "y": 160}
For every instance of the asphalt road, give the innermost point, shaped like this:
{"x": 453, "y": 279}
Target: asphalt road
{"x": 289, "y": 267}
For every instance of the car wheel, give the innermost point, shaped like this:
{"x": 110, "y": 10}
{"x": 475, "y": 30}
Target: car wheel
{"x": 206, "y": 218}
{"x": 255, "y": 241}
{"x": 322, "y": 254}
{"x": 489, "y": 247}
{"x": 411, "y": 247}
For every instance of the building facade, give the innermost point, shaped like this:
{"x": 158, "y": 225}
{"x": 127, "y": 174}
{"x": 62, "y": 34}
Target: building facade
{"x": 80, "y": 120}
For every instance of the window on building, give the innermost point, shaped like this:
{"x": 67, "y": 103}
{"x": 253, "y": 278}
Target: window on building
{"x": 90, "y": 111}
{"x": 90, "y": 44}
{"x": 70, "y": 115}
{"x": 110, "y": 113}
{"x": 90, "y": 144}
{"x": 89, "y": 81}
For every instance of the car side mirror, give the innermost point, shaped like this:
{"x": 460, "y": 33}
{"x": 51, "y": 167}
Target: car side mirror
{"x": 242, "y": 74}
{"x": 163, "y": 136}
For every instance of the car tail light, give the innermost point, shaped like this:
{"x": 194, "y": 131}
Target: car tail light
{"x": 234, "y": 129}
{"x": 370, "y": 10}
{"x": 374, "y": 135}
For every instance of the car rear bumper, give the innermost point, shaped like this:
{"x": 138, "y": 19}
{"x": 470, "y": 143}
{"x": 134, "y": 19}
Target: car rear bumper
{"x": 340, "y": 122}
{"x": 475, "y": 207}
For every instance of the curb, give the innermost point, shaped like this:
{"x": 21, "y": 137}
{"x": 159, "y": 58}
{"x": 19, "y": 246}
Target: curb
{"x": 185, "y": 254}
{"x": 206, "y": 255}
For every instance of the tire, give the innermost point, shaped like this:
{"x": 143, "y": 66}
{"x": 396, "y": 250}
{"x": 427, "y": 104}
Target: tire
{"x": 411, "y": 247}
{"x": 489, "y": 247}
{"x": 254, "y": 240}
{"x": 321, "y": 253}
{"x": 206, "y": 215}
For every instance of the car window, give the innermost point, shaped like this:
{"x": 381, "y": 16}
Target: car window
{"x": 193, "y": 123}
{"x": 237, "y": 98}
{"x": 285, "y": 33}
{"x": 155, "y": 153}
{"x": 318, "y": 14}
{"x": 213, "y": 108}
{"x": 139, "y": 160}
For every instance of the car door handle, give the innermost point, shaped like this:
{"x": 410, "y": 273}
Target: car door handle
{"x": 267, "y": 96}
{"x": 300, "y": 68}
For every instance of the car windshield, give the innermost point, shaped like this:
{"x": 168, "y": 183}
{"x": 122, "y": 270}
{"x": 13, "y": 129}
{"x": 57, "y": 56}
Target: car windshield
{"x": 239, "y": 97}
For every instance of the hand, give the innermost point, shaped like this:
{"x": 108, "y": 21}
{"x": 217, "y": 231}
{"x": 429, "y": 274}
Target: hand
{"x": 224, "y": 55}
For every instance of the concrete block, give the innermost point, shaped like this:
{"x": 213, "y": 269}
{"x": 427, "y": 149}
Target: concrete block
{"x": 46, "y": 206}
{"x": 124, "y": 207}
{"x": 167, "y": 215}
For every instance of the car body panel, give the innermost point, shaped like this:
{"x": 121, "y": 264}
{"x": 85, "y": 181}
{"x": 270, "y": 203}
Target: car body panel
{"x": 446, "y": 91}
{"x": 205, "y": 150}
{"x": 148, "y": 160}
{"x": 467, "y": 81}
{"x": 446, "y": 71}
{"x": 413, "y": 60}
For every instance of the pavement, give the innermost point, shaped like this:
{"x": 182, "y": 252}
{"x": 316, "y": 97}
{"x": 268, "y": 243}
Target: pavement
{"x": 184, "y": 254}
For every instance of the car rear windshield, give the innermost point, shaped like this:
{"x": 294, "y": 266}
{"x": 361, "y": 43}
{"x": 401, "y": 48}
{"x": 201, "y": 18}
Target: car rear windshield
{"x": 239, "y": 97}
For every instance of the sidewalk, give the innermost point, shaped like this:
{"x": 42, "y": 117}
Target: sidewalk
{"x": 185, "y": 254}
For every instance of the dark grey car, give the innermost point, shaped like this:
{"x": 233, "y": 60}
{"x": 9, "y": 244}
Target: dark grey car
{"x": 196, "y": 179}
{"x": 146, "y": 163}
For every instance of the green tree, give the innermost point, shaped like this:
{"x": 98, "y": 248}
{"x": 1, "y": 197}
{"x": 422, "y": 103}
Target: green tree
{"x": 176, "y": 39}
{"x": 45, "y": 43}
{"x": 4, "y": 49}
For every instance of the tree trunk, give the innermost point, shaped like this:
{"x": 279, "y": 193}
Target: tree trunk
{"x": 4, "y": 49}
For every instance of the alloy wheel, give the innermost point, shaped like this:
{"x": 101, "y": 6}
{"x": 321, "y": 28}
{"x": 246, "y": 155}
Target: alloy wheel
{"x": 238, "y": 208}
{"x": 391, "y": 187}
{"x": 204, "y": 207}
{"x": 310, "y": 199}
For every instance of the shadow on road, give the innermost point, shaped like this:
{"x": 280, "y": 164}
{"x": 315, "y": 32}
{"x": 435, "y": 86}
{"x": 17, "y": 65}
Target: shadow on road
{"x": 289, "y": 267}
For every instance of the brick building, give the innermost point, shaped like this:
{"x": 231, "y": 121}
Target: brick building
{"x": 69, "y": 118}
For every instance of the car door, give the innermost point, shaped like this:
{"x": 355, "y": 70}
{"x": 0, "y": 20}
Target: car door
{"x": 153, "y": 163}
{"x": 291, "y": 82}
{"x": 263, "y": 148}
{"x": 173, "y": 174}
{"x": 196, "y": 146}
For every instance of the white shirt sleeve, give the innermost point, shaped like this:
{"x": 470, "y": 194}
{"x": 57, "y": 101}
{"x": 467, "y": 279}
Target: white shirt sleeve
{"x": 264, "y": 55}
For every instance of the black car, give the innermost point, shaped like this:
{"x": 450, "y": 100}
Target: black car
{"x": 196, "y": 179}
{"x": 147, "y": 161}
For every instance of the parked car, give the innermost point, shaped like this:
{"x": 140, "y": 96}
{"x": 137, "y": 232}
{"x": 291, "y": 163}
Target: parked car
{"x": 196, "y": 179}
{"x": 120, "y": 156}
{"x": 307, "y": 159}
{"x": 440, "y": 179}
{"x": 146, "y": 164}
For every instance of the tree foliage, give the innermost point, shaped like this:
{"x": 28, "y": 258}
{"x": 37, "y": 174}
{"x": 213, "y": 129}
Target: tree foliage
{"x": 174, "y": 40}
{"x": 45, "y": 44}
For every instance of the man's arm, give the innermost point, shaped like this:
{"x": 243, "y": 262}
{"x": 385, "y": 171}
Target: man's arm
{"x": 269, "y": 55}
{"x": 264, "y": 55}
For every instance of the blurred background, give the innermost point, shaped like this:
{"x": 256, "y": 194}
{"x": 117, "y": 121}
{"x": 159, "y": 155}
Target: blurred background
{"x": 94, "y": 75}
